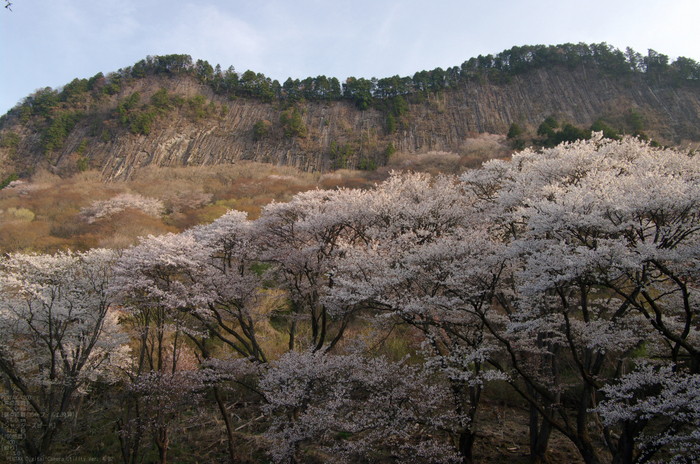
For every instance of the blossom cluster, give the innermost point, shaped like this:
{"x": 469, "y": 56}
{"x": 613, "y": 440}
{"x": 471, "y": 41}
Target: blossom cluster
{"x": 568, "y": 274}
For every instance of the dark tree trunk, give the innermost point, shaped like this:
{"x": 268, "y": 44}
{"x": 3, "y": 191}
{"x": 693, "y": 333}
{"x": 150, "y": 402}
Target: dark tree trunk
{"x": 539, "y": 451}
{"x": 227, "y": 421}
{"x": 466, "y": 446}
{"x": 292, "y": 333}
{"x": 589, "y": 454}
{"x": 539, "y": 434}
{"x": 625, "y": 448}
{"x": 162, "y": 442}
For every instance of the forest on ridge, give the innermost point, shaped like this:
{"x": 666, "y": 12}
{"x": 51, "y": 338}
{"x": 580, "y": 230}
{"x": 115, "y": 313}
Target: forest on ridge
{"x": 174, "y": 110}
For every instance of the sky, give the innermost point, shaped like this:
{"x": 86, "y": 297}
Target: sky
{"x": 48, "y": 43}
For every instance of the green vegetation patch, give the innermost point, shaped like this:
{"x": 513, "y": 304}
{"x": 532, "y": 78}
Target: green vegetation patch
{"x": 55, "y": 135}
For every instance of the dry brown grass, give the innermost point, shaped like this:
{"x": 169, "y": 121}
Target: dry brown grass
{"x": 345, "y": 178}
{"x": 477, "y": 150}
{"x": 473, "y": 152}
{"x": 125, "y": 228}
{"x": 432, "y": 162}
{"x": 22, "y": 235}
{"x": 225, "y": 174}
{"x": 192, "y": 195}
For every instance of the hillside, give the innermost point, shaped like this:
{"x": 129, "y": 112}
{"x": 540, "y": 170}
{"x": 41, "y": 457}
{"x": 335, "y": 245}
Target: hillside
{"x": 183, "y": 278}
{"x": 167, "y": 111}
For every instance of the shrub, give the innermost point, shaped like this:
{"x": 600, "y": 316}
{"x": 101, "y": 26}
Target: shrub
{"x": 608, "y": 132}
{"x": 111, "y": 89}
{"x": 11, "y": 178}
{"x": 390, "y": 124}
{"x": 366, "y": 165}
{"x": 293, "y": 124}
{"x": 55, "y": 135}
{"x": 82, "y": 147}
{"x": 514, "y": 131}
{"x": 390, "y": 150}
{"x": 161, "y": 100}
{"x": 9, "y": 140}
{"x": 127, "y": 105}
{"x": 22, "y": 214}
{"x": 196, "y": 106}
{"x": 261, "y": 130}
{"x": 82, "y": 164}
{"x": 142, "y": 121}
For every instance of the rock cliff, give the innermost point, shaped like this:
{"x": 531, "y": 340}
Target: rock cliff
{"x": 340, "y": 135}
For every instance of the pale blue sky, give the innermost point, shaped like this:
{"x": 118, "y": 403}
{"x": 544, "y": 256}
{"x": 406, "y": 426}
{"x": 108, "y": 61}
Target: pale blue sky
{"x": 50, "y": 42}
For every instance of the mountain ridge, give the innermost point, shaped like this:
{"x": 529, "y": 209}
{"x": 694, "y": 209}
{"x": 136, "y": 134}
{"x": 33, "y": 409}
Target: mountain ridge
{"x": 173, "y": 112}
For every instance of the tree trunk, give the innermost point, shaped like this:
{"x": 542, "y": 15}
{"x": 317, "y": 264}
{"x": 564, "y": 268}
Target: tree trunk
{"x": 539, "y": 434}
{"x": 625, "y": 449}
{"x": 292, "y": 333}
{"x": 129, "y": 430}
{"x": 623, "y": 453}
{"x": 466, "y": 446}
{"x": 583, "y": 440}
{"x": 227, "y": 421}
{"x": 162, "y": 441}
{"x": 588, "y": 453}
{"x": 539, "y": 452}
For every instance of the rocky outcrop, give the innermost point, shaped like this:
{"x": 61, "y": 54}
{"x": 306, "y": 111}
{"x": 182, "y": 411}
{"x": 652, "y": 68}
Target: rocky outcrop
{"x": 338, "y": 134}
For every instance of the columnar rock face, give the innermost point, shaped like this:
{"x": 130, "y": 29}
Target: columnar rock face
{"x": 339, "y": 135}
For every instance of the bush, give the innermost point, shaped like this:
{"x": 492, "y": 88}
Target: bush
{"x": 341, "y": 155}
{"x": 547, "y": 127}
{"x": 82, "y": 147}
{"x": 390, "y": 124}
{"x": 142, "y": 121}
{"x": 567, "y": 133}
{"x": 82, "y": 164}
{"x": 55, "y": 135}
{"x": 9, "y": 140}
{"x": 111, "y": 89}
{"x": 126, "y": 106}
{"x": 390, "y": 150}
{"x": 293, "y": 123}
{"x": 608, "y": 132}
{"x": 161, "y": 100}
{"x": 261, "y": 130}
{"x": 22, "y": 214}
{"x": 514, "y": 131}
{"x": 11, "y": 178}
{"x": 571, "y": 133}
{"x": 196, "y": 106}
{"x": 366, "y": 165}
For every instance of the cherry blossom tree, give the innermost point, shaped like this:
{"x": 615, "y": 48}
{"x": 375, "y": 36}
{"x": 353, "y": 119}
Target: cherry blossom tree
{"x": 427, "y": 259}
{"x": 584, "y": 257}
{"x": 200, "y": 285}
{"x": 106, "y": 208}
{"x": 229, "y": 286}
{"x": 351, "y": 407}
{"x": 232, "y": 311}
{"x": 603, "y": 235}
{"x": 57, "y": 334}
{"x": 655, "y": 395}
{"x": 569, "y": 273}
{"x": 154, "y": 282}
{"x": 301, "y": 240}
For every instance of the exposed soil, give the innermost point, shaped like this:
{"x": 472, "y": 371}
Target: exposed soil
{"x": 503, "y": 437}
